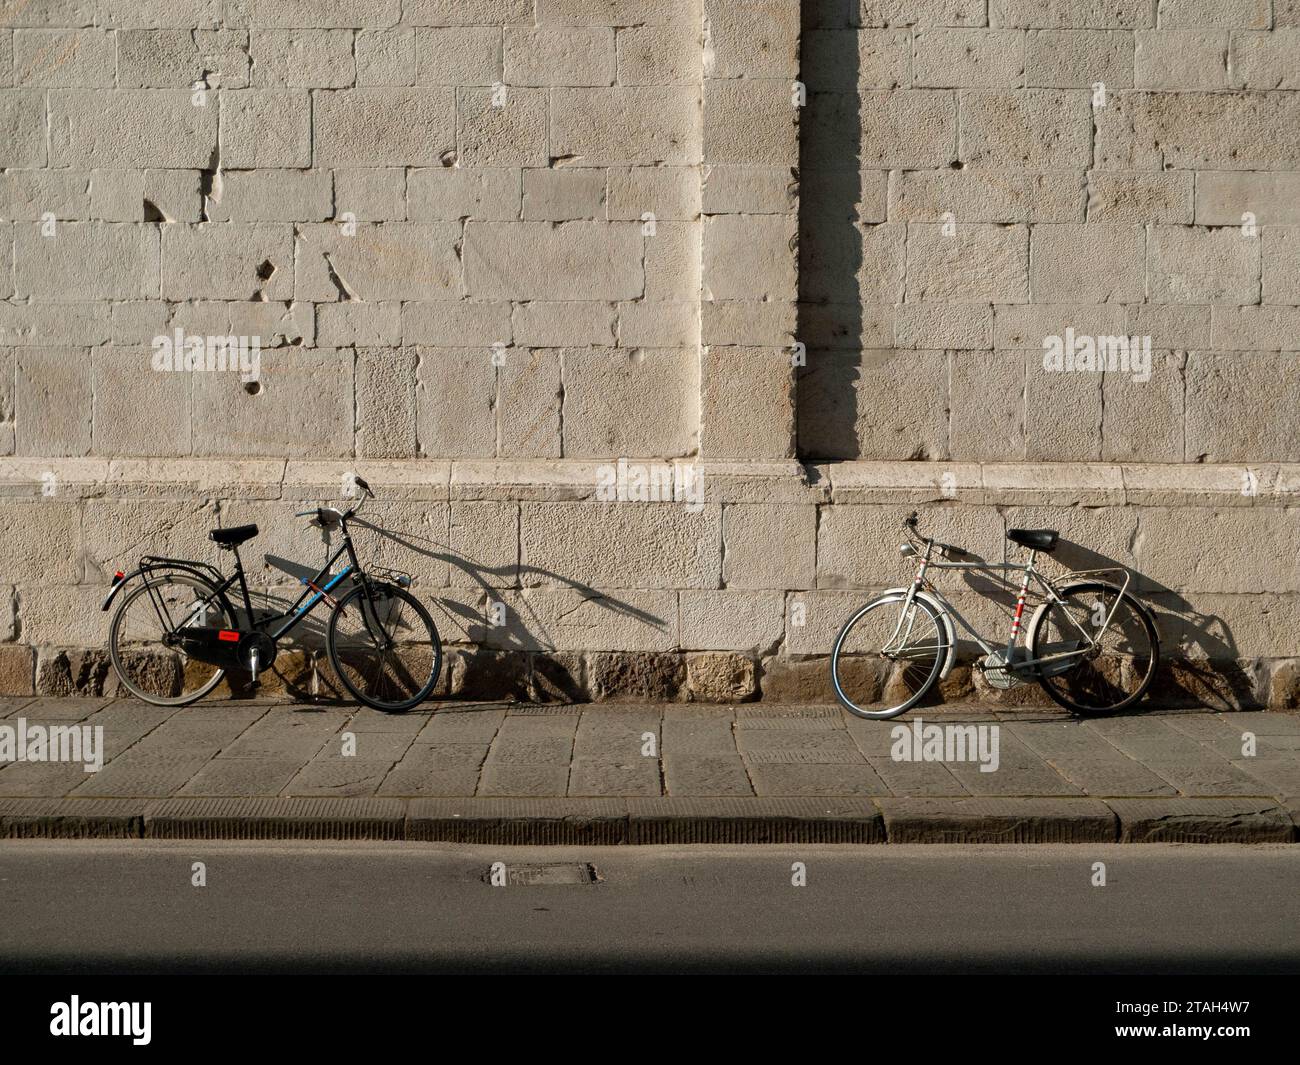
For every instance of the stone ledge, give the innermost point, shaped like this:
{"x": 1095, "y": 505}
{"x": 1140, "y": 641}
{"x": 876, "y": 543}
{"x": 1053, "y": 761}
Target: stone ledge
{"x": 567, "y": 480}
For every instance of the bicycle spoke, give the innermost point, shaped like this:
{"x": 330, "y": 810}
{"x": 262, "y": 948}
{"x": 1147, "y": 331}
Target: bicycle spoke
{"x": 1120, "y": 652}
{"x": 885, "y": 660}
{"x": 382, "y": 655}
{"x": 150, "y": 666}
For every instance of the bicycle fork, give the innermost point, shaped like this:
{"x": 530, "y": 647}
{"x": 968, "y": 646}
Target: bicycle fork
{"x": 908, "y": 614}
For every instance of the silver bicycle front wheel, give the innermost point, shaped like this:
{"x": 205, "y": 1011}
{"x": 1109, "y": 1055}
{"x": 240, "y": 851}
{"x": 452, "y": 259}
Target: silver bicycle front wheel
{"x": 887, "y": 656}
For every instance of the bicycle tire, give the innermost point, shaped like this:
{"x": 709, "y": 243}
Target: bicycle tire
{"x": 115, "y": 649}
{"x": 1054, "y": 685}
{"x": 355, "y": 598}
{"x": 942, "y": 649}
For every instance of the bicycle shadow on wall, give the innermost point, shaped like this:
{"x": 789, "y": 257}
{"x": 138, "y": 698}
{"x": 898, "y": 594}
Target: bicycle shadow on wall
{"x": 496, "y": 629}
{"x": 1213, "y": 679}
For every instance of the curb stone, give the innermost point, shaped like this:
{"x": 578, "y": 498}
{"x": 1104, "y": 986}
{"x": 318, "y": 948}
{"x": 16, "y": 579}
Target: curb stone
{"x": 649, "y": 821}
{"x": 1230, "y": 820}
{"x": 72, "y": 818}
{"x": 547, "y": 822}
{"x": 989, "y": 820}
{"x": 1292, "y": 805}
{"x": 760, "y": 820}
{"x": 265, "y": 819}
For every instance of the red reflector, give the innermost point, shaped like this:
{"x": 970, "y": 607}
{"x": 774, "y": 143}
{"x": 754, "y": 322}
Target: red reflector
{"x": 228, "y": 636}
{"x": 118, "y": 576}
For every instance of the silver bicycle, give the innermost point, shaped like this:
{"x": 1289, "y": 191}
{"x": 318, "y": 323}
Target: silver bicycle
{"x": 1089, "y": 643}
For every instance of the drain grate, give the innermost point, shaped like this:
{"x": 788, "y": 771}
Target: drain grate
{"x": 787, "y": 713}
{"x": 804, "y": 757}
{"x": 535, "y": 875}
{"x": 544, "y": 711}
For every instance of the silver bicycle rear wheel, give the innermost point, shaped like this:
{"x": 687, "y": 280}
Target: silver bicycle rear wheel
{"x": 881, "y": 668}
{"x": 1117, "y": 670}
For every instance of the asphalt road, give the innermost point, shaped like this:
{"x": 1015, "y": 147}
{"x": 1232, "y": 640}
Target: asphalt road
{"x": 132, "y": 907}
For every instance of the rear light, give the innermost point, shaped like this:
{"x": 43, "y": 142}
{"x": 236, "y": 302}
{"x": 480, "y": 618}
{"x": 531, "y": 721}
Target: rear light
{"x": 228, "y": 636}
{"x": 117, "y": 577}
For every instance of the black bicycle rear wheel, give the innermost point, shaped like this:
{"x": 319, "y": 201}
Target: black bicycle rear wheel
{"x": 384, "y": 647}
{"x": 150, "y": 664}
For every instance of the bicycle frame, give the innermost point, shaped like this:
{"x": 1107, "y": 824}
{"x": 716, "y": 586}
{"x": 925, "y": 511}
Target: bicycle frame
{"x": 315, "y": 591}
{"x": 1029, "y": 574}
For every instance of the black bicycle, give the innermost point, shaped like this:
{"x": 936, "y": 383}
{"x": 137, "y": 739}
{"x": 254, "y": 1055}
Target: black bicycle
{"x": 176, "y": 634}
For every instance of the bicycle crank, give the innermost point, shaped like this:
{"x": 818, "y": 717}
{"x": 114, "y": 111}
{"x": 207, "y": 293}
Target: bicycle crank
{"x": 257, "y": 652}
{"x": 999, "y": 673}
{"x": 228, "y": 648}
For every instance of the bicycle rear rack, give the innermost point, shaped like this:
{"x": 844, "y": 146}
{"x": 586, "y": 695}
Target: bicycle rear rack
{"x": 1123, "y": 570}
{"x": 151, "y": 563}
{"x": 1123, "y": 588}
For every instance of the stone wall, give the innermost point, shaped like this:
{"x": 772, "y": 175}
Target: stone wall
{"x": 809, "y": 253}
{"x": 977, "y": 177}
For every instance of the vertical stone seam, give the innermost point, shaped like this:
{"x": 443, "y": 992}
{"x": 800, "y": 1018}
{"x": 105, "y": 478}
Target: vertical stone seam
{"x": 702, "y": 172}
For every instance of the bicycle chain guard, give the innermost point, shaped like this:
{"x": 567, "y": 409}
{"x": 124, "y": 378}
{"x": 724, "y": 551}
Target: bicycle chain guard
{"x": 229, "y": 648}
{"x": 996, "y": 672}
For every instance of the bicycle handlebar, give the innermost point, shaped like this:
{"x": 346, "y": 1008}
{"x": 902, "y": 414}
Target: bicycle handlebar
{"x": 336, "y": 516}
{"x": 910, "y": 524}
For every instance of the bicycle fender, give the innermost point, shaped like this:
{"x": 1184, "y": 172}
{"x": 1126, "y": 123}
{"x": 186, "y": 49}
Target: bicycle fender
{"x": 1036, "y": 619}
{"x": 121, "y": 582}
{"x": 118, "y": 584}
{"x": 948, "y": 628}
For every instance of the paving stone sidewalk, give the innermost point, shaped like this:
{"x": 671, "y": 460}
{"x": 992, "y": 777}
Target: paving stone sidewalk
{"x": 225, "y": 767}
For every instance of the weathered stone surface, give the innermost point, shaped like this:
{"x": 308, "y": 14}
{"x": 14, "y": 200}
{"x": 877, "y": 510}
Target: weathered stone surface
{"x": 647, "y": 125}
{"x": 500, "y": 676}
{"x": 1284, "y": 686}
{"x": 623, "y": 545}
{"x": 537, "y": 261}
{"x": 118, "y": 129}
{"x": 17, "y": 665}
{"x": 75, "y": 672}
{"x": 617, "y": 677}
{"x": 720, "y": 678}
{"x": 1094, "y": 263}
{"x": 726, "y": 620}
{"x": 394, "y": 261}
{"x": 796, "y": 681}
{"x": 265, "y": 127}
{"x": 380, "y": 127}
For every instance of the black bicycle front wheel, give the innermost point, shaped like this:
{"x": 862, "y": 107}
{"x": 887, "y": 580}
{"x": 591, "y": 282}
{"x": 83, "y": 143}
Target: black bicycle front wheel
{"x": 384, "y": 647}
